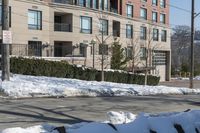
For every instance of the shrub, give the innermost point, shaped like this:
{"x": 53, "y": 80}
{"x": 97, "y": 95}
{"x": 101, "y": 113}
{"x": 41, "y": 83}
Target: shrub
{"x": 61, "y": 69}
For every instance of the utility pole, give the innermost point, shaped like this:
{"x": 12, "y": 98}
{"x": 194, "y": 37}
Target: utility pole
{"x": 102, "y": 49}
{"x": 5, "y": 59}
{"x": 192, "y": 46}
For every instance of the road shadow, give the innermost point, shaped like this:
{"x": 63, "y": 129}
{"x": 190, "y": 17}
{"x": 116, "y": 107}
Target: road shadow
{"x": 34, "y": 114}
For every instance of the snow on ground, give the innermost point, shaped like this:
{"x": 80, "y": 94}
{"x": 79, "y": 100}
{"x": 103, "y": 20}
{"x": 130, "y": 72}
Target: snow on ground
{"x": 189, "y": 122}
{"x": 182, "y": 78}
{"x": 28, "y": 86}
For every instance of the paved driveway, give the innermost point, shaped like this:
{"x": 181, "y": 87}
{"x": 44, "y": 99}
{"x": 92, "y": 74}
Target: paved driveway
{"x": 27, "y": 112}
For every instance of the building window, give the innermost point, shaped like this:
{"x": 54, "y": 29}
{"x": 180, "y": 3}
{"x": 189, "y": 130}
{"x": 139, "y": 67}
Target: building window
{"x": 159, "y": 58}
{"x": 162, "y": 3}
{"x": 34, "y": 19}
{"x": 83, "y": 49}
{"x": 143, "y": 13}
{"x": 129, "y": 52}
{"x": 106, "y": 5}
{"x": 162, "y": 18}
{"x": 101, "y": 4}
{"x": 154, "y": 16}
{"x": 164, "y": 36}
{"x": 82, "y": 3}
{"x": 34, "y": 48}
{"x": 88, "y": 3}
{"x": 143, "y": 53}
{"x": 144, "y": 0}
{"x": 103, "y": 49}
{"x": 155, "y": 2}
{"x": 143, "y": 33}
{"x": 95, "y": 4}
{"x": 129, "y": 31}
{"x": 129, "y": 10}
{"x": 86, "y": 25}
{"x": 155, "y": 34}
{"x": 104, "y": 26}
{"x": 0, "y": 13}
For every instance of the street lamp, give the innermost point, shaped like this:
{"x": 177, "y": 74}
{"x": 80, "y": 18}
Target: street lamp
{"x": 93, "y": 42}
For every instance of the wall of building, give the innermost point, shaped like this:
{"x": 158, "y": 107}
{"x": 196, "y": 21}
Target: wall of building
{"x": 21, "y": 33}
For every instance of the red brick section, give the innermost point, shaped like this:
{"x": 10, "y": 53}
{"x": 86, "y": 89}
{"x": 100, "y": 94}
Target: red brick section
{"x": 137, "y": 4}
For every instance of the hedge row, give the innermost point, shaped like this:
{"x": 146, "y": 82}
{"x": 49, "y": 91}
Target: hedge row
{"x": 62, "y": 69}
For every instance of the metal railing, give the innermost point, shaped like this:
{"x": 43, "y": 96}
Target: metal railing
{"x": 62, "y": 1}
{"x": 45, "y": 50}
{"x": 62, "y": 27}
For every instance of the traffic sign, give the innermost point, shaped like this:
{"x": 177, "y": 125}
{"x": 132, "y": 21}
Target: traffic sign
{"x": 7, "y": 37}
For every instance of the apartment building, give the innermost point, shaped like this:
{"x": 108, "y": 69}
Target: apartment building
{"x": 72, "y": 30}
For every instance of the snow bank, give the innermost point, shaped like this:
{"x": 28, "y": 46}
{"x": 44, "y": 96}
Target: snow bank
{"x": 189, "y": 122}
{"x": 29, "y": 86}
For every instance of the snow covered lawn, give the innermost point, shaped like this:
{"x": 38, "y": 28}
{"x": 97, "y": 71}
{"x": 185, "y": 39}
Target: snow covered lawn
{"x": 183, "y": 122}
{"x": 28, "y": 86}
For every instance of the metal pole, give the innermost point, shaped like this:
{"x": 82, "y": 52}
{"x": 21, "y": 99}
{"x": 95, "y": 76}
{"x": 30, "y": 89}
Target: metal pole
{"x": 5, "y": 47}
{"x": 102, "y": 49}
{"x": 192, "y": 46}
{"x": 93, "y": 55}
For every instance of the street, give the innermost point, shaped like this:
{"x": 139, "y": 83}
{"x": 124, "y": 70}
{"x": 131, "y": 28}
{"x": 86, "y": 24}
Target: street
{"x": 28, "y": 112}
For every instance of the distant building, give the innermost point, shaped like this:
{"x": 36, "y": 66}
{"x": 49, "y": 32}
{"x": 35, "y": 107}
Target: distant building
{"x": 65, "y": 28}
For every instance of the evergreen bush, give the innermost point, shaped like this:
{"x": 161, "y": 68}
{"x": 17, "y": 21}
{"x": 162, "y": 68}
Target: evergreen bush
{"x": 61, "y": 69}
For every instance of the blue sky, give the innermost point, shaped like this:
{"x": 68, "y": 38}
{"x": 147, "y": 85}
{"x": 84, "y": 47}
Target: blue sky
{"x": 180, "y": 17}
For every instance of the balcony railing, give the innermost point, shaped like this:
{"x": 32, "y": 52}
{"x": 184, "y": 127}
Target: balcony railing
{"x": 62, "y": 27}
{"x": 62, "y": 1}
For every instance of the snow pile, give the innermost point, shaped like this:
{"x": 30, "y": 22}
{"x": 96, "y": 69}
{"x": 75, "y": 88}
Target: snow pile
{"x": 188, "y": 122}
{"x": 29, "y": 86}
{"x": 120, "y": 117}
{"x": 197, "y": 78}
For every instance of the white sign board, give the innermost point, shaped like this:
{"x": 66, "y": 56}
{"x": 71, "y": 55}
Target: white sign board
{"x": 7, "y": 37}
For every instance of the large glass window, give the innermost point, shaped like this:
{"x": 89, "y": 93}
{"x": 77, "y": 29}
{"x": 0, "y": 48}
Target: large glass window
{"x": 162, "y": 3}
{"x": 103, "y": 49}
{"x": 143, "y": 13}
{"x": 129, "y": 11}
{"x": 143, "y": 33}
{"x": 82, "y": 2}
{"x": 86, "y": 25}
{"x": 95, "y": 4}
{"x": 129, "y": 31}
{"x": 106, "y": 5}
{"x": 154, "y": 16}
{"x": 155, "y": 34}
{"x": 155, "y": 2}
{"x": 88, "y": 3}
{"x": 101, "y": 4}
{"x": 143, "y": 53}
{"x": 104, "y": 26}
{"x": 162, "y": 18}
{"x": 35, "y": 19}
{"x": 164, "y": 36}
{"x": 0, "y": 13}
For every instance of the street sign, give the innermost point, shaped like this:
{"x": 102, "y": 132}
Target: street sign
{"x": 7, "y": 37}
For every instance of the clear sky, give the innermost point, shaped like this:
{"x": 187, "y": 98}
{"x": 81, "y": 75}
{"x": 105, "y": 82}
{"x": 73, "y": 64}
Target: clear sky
{"x": 180, "y": 17}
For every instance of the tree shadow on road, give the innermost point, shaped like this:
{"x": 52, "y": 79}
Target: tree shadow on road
{"x": 35, "y": 114}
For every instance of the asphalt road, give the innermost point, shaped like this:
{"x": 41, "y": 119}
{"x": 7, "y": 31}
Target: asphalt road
{"x": 28, "y": 112}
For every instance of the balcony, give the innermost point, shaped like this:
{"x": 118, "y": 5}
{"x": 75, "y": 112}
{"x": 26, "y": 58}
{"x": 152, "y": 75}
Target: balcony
{"x": 62, "y": 27}
{"x": 63, "y": 22}
{"x": 63, "y": 1}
